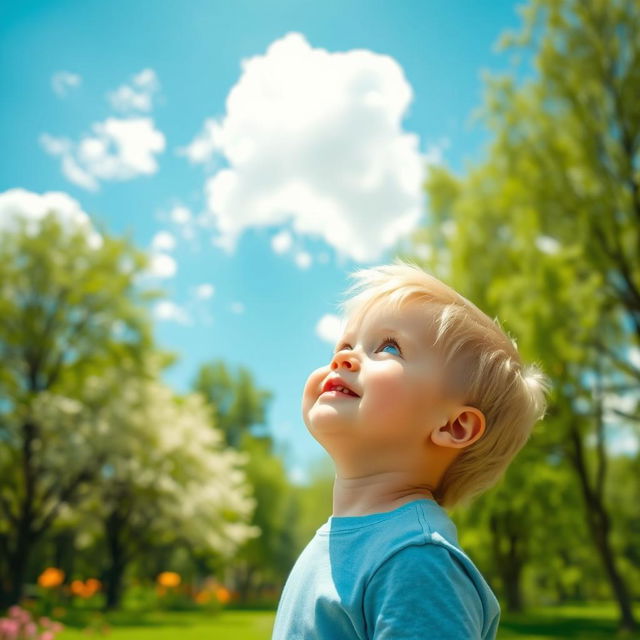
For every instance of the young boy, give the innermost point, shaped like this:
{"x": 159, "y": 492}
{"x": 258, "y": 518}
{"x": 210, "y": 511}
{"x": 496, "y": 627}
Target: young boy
{"x": 423, "y": 405}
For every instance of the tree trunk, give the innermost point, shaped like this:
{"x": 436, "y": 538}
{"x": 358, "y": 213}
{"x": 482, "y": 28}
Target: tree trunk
{"x": 246, "y": 583}
{"x": 113, "y": 576}
{"x": 17, "y": 570}
{"x": 510, "y": 560}
{"x": 24, "y": 535}
{"x": 599, "y": 527}
{"x": 511, "y": 576}
{"x": 600, "y": 530}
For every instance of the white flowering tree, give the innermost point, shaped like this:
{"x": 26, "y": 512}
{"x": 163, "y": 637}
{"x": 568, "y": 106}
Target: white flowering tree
{"x": 168, "y": 477}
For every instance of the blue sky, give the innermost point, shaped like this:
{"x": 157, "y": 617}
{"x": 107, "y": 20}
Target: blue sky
{"x": 124, "y": 107}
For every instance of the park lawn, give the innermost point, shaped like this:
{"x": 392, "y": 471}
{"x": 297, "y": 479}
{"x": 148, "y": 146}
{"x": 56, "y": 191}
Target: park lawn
{"x": 584, "y": 622}
{"x": 225, "y": 625}
{"x": 588, "y": 621}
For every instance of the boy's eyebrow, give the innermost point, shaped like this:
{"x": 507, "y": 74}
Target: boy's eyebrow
{"x": 405, "y": 337}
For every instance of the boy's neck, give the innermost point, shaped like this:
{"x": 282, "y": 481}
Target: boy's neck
{"x": 376, "y": 493}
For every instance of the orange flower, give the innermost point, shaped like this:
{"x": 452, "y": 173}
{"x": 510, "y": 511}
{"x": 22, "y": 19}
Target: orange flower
{"x": 85, "y": 589}
{"x": 51, "y": 577}
{"x": 223, "y": 594}
{"x": 168, "y": 579}
{"x": 77, "y": 587}
{"x": 94, "y": 584}
{"x": 203, "y": 597}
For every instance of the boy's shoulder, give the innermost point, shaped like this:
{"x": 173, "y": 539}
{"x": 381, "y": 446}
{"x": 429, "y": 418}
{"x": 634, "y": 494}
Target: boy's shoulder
{"x": 362, "y": 569}
{"x": 419, "y": 531}
{"x": 426, "y": 528}
{"x": 415, "y": 565}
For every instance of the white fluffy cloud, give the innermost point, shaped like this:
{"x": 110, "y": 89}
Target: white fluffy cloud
{"x": 316, "y": 137}
{"x": 168, "y": 311}
{"x": 163, "y": 241}
{"x": 303, "y": 259}
{"x": 204, "y": 291}
{"x": 138, "y": 95}
{"x": 16, "y": 204}
{"x": 63, "y": 81}
{"x": 281, "y": 242}
{"x": 329, "y": 328}
{"x": 180, "y": 214}
{"x": 205, "y": 144}
{"x": 118, "y": 149}
{"x": 162, "y": 265}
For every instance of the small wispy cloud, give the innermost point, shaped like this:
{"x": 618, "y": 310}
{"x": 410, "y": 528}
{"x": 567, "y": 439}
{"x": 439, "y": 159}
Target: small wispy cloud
{"x": 169, "y": 311}
{"x": 303, "y": 259}
{"x": 204, "y": 291}
{"x": 281, "y": 242}
{"x": 117, "y": 149}
{"x": 204, "y": 145}
{"x": 138, "y": 95}
{"x": 329, "y": 328}
{"x": 162, "y": 265}
{"x": 163, "y": 241}
{"x": 62, "y": 82}
{"x": 195, "y": 309}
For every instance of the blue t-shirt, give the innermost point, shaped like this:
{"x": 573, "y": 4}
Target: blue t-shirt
{"x": 395, "y": 575}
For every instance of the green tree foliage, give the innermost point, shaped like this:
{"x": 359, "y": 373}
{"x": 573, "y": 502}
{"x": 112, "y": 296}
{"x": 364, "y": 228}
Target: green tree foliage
{"x": 263, "y": 562}
{"x": 70, "y": 310}
{"x": 315, "y": 499}
{"x": 236, "y": 400}
{"x": 525, "y": 534}
{"x": 545, "y": 233}
{"x": 239, "y": 406}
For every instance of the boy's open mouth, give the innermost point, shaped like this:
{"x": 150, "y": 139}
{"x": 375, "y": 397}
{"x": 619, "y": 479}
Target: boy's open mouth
{"x": 336, "y": 386}
{"x": 337, "y": 394}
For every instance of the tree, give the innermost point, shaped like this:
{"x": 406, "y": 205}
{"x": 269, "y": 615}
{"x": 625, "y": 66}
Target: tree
{"x": 525, "y": 533}
{"x": 237, "y": 402}
{"x": 169, "y": 479}
{"x": 265, "y": 561}
{"x": 70, "y": 309}
{"x": 239, "y": 406}
{"x": 544, "y": 233}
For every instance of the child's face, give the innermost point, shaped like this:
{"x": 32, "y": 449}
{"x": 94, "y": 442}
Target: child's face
{"x": 400, "y": 394}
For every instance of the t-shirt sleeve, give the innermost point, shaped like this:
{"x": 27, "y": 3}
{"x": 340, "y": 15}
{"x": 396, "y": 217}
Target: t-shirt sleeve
{"x": 422, "y": 592}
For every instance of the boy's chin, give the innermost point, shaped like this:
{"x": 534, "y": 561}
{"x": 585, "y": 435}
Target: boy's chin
{"x": 325, "y": 421}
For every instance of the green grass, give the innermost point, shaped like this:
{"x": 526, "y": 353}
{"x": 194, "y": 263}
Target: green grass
{"x": 584, "y": 622}
{"x": 591, "y": 621}
{"x": 224, "y": 625}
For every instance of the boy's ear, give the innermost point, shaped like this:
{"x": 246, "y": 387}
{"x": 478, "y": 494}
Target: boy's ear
{"x": 463, "y": 428}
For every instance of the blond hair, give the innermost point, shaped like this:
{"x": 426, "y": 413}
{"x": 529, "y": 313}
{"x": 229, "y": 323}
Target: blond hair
{"x": 481, "y": 363}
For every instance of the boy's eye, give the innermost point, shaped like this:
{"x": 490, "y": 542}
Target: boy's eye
{"x": 387, "y": 342}
{"x": 390, "y": 342}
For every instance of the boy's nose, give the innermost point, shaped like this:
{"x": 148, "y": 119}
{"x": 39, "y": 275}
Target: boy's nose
{"x": 345, "y": 359}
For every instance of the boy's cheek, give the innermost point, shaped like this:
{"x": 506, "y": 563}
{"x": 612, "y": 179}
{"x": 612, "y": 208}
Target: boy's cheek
{"x": 312, "y": 386}
{"x": 315, "y": 379}
{"x": 390, "y": 406}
